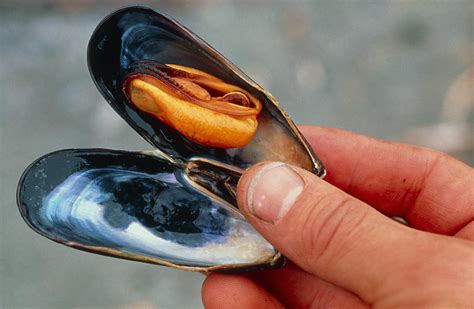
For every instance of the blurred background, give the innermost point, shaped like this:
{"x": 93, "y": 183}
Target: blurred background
{"x": 398, "y": 70}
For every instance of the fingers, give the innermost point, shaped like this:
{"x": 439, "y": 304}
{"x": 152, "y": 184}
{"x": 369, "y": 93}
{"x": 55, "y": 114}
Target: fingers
{"x": 235, "y": 291}
{"x": 292, "y": 287}
{"x": 466, "y": 232}
{"x": 343, "y": 240}
{"x": 296, "y": 288}
{"x": 398, "y": 180}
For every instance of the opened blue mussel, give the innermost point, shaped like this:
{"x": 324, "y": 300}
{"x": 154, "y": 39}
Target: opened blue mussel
{"x": 173, "y": 205}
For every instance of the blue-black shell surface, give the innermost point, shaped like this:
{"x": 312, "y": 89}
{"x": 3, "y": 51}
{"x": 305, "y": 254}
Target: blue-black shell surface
{"x": 136, "y": 206}
{"x": 139, "y": 33}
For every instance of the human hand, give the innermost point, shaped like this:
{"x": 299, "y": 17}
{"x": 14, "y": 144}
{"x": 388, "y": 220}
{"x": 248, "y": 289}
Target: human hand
{"x": 345, "y": 253}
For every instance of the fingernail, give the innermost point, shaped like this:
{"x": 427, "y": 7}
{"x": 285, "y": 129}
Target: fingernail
{"x": 273, "y": 191}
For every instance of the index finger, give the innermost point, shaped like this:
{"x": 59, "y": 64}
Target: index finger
{"x": 431, "y": 190}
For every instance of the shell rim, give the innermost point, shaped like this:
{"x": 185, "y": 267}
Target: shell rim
{"x": 276, "y": 261}
{"x": 317, "y": 166}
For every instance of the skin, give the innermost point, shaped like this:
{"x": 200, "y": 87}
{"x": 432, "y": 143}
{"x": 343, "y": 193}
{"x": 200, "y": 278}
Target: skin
{"x": 345, "y": 251}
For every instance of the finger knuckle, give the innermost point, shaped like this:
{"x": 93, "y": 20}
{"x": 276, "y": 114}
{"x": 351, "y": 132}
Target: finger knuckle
{"x": 331, "y": 227}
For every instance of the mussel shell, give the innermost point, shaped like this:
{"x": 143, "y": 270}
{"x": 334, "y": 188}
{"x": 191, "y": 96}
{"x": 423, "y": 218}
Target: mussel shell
{"x": 139, "y": 33}
{"x": 138, "y": 207}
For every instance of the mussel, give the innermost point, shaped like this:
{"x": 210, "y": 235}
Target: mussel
{"x": 173, "y": 205}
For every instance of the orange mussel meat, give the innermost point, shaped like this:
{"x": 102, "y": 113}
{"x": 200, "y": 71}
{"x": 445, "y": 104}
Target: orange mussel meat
{"x": 202, "y": 107}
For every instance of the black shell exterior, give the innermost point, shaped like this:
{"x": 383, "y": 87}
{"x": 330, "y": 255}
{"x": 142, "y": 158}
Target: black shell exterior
{"x": 140, "y": 33}
{"x": 173, "y": 208}
{"x": 138, "y": 207}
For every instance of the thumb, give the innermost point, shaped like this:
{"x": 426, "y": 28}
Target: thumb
{"x": 334, "y": 236}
